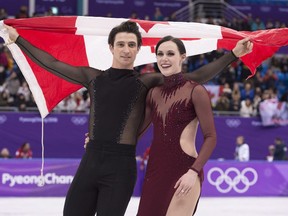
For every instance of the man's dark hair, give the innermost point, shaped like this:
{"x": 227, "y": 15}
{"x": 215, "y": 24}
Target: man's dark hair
{"x": 129, "y": 27}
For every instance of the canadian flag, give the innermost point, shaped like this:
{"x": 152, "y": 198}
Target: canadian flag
{"x": 82, "y": 41}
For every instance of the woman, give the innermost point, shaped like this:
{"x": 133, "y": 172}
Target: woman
{"x": 174, "y": 175}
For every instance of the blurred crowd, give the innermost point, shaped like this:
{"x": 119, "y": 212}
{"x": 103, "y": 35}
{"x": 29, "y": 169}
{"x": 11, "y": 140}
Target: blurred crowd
{"x": 237, "y": 94}
{"x": 23, "y": 152}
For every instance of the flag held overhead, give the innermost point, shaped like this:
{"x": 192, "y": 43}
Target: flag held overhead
{"x": 83, "y": 41}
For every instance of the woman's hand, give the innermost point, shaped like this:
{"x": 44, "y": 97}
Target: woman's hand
{"x": 243, "y": 47}
{"x": 186, "y": 182}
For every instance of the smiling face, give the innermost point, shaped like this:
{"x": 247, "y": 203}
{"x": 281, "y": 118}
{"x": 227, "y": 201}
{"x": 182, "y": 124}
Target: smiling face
{"x": 169, "y": 59}
{"x": 124, "y": 50}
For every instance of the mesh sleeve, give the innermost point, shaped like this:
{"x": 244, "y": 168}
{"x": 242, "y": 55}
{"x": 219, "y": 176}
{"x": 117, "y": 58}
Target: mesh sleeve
{"x": 148, "y": 118}
{"x": 205, "y": 117}
{"x": 77, "y": 75}
{"x": 209, "y": 71}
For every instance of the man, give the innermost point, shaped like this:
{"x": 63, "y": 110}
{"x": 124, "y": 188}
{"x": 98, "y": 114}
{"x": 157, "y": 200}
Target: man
{"x": 106, "y": 176}
{"x": 280, "y": 149}
{"x": 242, "y": 152}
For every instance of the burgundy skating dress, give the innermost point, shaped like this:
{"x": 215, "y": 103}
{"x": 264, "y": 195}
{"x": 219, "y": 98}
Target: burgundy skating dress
{"x": 171, "y": 110}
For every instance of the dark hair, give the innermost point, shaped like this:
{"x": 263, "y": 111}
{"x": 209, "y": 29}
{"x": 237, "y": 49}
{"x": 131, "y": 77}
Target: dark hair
{"x": 177, "y": 41}
{"x": 129, "y": 27}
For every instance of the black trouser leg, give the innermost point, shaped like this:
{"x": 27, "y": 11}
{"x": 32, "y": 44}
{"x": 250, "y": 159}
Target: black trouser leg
{"x": 104, "y": 183}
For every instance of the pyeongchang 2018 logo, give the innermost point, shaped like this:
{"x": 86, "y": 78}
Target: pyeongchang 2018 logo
{"x": 232, "y": 179}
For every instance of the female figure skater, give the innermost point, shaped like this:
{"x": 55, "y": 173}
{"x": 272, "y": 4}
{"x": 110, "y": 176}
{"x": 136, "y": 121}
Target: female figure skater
{"x": 172, "y": 184}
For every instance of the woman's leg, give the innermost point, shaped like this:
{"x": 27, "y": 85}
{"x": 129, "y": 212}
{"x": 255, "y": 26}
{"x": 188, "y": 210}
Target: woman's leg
{"x": 185, "y": 205}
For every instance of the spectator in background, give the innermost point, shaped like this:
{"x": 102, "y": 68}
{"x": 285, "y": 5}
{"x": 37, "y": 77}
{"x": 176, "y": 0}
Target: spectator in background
{"x": 258, "y": 24}
{"x": 158, "y": 16}
{"x": 242, "y": 152}
{"x": 5, "y": 153}
{"x": 134, "y": 15}
{"x": 20, "y": 102}
{"x": 227, "y": 90}
{"x": 257, "y": 99}
{"x": 271, "y": 150}
{"x": 23, "y": 12}
{"x": 201, "y": 61}
{"x": 280, "y": 149}
{"x": 3, "y": 64}
{"x": 81, "y": 104}
{"x": 246, "y": 108}
{"x": 31, "y": 102}
{"x": 68, "y": 104}
{"x": 3, "y": 14}
{"x": 247, "y": 92}
{"x": 236, "y": 94}
{"x": 235, "y": 101}
{"x": 257, "y": 80}
{"x": 4, "y": 99}
{"x": 24, "y": 151}
{"x": 234, "y": 105}
{"x": 222, "y": 103}
{"x": 270, "y": 79}
{"x": 13, "y": 84}
{"x": 24, "y": 89}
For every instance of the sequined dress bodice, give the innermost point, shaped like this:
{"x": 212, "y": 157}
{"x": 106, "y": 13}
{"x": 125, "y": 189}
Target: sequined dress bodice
{"x": 172, "y": 110}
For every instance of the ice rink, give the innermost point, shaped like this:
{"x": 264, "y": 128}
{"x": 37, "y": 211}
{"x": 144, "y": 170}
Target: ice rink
{"x": 245, "y": 206}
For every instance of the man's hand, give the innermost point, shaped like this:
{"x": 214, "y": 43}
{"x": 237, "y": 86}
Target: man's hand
{"x": 12, "y": 32}
{"x": 243, "y": 47}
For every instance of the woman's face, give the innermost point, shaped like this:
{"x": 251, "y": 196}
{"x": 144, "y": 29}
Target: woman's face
{"x": 169, "y": 59}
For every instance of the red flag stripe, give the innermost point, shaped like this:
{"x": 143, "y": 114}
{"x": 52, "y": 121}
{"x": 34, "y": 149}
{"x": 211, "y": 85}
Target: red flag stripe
{"x": 83, "y": 41}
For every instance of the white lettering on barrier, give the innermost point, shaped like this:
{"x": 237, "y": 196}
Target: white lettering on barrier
{"x": 49, "y": 178}
{"x": 37, "y": 119}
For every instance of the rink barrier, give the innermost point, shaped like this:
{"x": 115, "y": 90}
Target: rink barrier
{"x": 20, "y": 178}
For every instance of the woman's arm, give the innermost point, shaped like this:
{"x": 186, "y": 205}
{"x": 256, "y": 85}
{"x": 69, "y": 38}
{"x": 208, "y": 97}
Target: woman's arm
{"x": 202, "y": 105}
{"x": 209, "y": 71}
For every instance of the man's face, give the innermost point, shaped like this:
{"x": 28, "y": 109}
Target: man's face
{"x": 124, "y": 50}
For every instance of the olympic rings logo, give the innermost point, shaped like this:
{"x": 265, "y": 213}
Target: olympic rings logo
{"x": 233, "y": 123}
{"x": 79, "y": 120}
{"x": 232, "y": 178}
{"x": 3, "y": 119}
